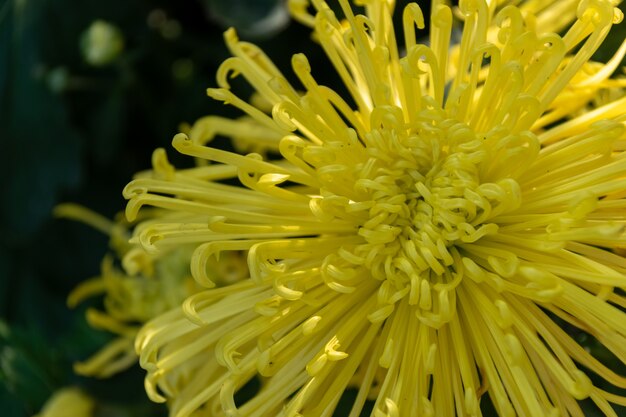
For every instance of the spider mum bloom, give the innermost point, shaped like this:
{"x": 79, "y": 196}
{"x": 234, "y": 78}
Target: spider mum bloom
{"x": 422, "y": 240}
{"x": 144, "y": 286}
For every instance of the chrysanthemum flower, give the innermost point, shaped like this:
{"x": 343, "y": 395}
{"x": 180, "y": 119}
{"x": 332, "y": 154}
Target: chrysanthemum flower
{"x": 68, "y": 402}
{"x": 424, "y": 239}
{"x": 142, "y": 288}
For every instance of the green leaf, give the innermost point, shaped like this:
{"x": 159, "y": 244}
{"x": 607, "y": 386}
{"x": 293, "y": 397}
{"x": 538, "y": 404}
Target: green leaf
{"x": 27, "y": 370}
{"x": 4, "y": 283}
{"x": 39, "y": 153}
{"x": 10, "y": 405}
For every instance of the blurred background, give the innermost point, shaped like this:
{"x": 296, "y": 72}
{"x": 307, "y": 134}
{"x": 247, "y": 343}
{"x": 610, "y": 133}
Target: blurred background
{"x": 87, "y": 90}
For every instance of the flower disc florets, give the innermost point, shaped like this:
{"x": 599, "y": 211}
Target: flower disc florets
{"x": 421, "y": 191}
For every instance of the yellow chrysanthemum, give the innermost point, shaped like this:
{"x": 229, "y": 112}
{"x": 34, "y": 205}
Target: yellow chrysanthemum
{"x": 145, "y": 287}
{"x": 423, "y": 239}
{"x": 68, "y": 402}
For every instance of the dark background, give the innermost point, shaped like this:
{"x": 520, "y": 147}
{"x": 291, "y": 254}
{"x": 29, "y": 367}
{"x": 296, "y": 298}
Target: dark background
{"x": 75, "y": 132}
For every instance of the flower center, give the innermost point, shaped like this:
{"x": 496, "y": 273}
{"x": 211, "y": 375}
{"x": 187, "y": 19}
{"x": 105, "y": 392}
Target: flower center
{"x": 419, "y": 198}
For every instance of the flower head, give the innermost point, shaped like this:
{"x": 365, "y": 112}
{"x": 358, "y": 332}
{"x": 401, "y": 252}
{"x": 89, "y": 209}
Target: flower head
{"x": 68, "y": 402}
{"x": 143, "y": 287}
{"x": 422, "y": 239}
